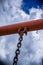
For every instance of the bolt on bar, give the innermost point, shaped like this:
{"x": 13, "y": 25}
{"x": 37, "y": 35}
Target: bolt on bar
{"x": 13, "y": 29}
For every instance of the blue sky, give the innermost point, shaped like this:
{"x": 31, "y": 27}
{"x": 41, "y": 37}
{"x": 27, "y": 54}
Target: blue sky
{"x": 32, "y": 45}
{"x": 27, "y": 4}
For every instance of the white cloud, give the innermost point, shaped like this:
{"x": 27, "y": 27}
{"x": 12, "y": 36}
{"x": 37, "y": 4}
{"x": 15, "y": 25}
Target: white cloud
{"x": 35, "y": 13}
{"x": 38, "y": 45}
{"x": 2, "y": 48}
{"x": 9, "y": 11}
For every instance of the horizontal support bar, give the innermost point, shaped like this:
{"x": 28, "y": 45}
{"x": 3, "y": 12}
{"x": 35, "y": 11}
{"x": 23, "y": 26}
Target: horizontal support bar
{"x": 13, "y": 29}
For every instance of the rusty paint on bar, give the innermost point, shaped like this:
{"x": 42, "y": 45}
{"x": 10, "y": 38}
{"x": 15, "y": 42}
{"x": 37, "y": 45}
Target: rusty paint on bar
{"x": 30, "y": 25}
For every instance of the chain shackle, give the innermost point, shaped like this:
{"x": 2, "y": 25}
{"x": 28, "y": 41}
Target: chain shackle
{"x": 17, "y": 52}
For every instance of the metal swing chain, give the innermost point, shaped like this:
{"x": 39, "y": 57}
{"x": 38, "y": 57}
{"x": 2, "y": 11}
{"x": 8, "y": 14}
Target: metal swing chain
{"x": 21, "y": 32}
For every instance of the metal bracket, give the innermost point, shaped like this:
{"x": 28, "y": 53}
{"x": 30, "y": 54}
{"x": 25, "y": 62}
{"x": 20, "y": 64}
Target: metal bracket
{"x": 21, "y": 31}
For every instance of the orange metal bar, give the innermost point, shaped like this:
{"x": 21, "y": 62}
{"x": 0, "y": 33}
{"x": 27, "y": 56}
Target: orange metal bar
{"x": 13, "y": 29}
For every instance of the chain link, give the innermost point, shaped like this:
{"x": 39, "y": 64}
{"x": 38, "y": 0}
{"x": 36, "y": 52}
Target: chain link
{"x": 17, "y": 52}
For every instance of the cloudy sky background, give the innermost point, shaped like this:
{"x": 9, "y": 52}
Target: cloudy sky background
{"x": 15, "y": 11}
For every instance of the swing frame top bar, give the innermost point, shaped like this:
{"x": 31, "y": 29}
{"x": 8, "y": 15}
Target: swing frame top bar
{"x": 13, "y": 28}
